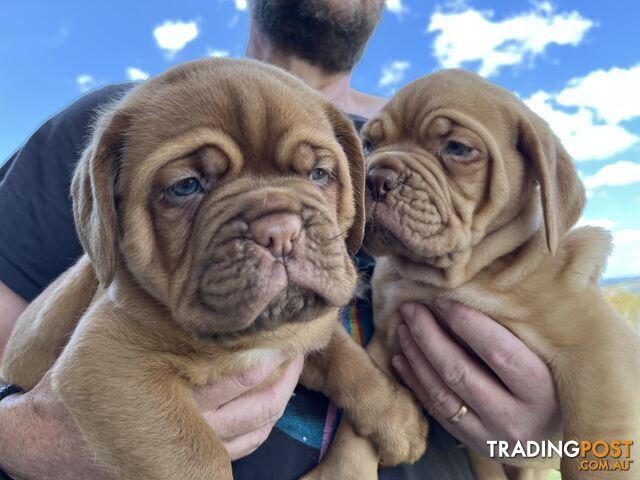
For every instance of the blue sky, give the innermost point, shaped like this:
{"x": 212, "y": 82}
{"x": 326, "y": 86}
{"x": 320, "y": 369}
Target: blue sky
{"x": 577, "y": 63}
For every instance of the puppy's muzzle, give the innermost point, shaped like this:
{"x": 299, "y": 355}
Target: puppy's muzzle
{"x": 380, "y": 181}
{"x": 277, "y": 232}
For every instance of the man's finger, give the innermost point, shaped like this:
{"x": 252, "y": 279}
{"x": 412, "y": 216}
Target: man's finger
{"x": 256, "y": 409}
{"x": 210, "y": 397}
{"x": 521, "y": 370}
{"x": 436, "y": 396}
{"x": 244, "y": 445}
{"x": 476, "y": 386}
{"x": 470, "y": 430}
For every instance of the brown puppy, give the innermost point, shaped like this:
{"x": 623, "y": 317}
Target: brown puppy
{"x": 216, "y": 203}
{"x": 471, "y": 199}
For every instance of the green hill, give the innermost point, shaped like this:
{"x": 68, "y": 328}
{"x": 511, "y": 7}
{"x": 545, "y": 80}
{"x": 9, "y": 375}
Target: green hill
{"x": 624, "y": 294}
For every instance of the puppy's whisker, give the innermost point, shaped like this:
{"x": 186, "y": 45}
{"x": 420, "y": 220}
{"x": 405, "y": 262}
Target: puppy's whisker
{"x": 338, "y": 235}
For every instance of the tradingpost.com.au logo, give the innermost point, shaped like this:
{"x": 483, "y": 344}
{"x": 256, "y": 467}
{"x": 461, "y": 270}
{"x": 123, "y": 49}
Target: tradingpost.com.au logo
{"x": 597, "y": 456}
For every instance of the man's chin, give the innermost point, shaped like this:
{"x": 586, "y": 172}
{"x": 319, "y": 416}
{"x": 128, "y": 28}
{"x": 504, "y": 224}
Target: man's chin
{"x": 315, "y": 30}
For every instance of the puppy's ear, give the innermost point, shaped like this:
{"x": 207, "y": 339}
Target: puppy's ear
{"x": 93, "y": 194}
{"x": 561, "y": 191}
{"x": 346, "y": 134}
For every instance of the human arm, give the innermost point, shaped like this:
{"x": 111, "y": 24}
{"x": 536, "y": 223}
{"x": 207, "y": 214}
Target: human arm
{"x": 508, "y": 389}
{"x": 40, "y": 440}
{"x": 11, "y": 306}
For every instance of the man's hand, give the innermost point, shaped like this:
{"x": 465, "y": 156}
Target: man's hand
{"x": 244, "y": 423}
{"x": 508, "y": 391}
{"x": 40, "y": 440}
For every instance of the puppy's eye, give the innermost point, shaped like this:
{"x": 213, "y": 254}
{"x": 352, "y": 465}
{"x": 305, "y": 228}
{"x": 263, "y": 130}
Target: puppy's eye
{"x": 367, "y": 147}
{"x": 186, "y": 187}
{"x": 456, "y": 149}
{"x": 319, "y": 175}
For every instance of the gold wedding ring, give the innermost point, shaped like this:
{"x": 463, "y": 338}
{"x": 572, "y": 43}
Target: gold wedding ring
{"x": 462, "y": 411}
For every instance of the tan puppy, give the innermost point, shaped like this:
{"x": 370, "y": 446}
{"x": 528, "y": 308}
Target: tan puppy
{"x": 471, "y": 199}
{"x": 216, "y": 203}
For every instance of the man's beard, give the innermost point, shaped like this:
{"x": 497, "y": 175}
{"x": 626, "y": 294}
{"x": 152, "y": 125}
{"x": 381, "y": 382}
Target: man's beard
{"x": 330, "y": 37}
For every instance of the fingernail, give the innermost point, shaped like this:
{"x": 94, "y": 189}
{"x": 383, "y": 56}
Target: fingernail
{"x": 396, "y": 362}
{"x": 408, "y": 311}
{"x": 443, "y": 304}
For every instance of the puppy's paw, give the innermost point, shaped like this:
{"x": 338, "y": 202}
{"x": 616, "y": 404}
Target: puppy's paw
{"x": 400, "y": 433}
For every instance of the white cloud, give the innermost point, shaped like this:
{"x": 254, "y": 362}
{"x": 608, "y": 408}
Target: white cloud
{"x": 613, "y": 93}
{"x": 174, "y": 36}
{"x": 625, "y": 259}
{"x": 473, "y": 36}
{"x": 595, "y": 104}
{"x": 86, "y": 82}
{"x": 233, "y": 21}
{"x": 135, "y": 74}
{"x": 393, "y": 73}
{"x": 396, "y": 6}
{"x": 582, "y": 135}
{"x": 212, "y": 52}
{"x": 241, "y": 4}
{"x": 622, "y": 172}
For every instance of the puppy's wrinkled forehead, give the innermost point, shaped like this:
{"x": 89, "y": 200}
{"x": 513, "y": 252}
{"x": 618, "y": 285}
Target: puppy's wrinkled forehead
{"x": 453, "y": 93}
{"x": 255, "y": 111}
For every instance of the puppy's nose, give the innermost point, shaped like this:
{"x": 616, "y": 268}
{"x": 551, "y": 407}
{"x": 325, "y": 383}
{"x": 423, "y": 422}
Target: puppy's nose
{"x": 380, "y": 181}
{"x": 277, "y": 232}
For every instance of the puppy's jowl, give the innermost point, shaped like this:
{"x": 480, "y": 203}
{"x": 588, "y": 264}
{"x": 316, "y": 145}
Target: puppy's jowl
{"x": 217, "y": 205}
{"x": 472, "y": 198}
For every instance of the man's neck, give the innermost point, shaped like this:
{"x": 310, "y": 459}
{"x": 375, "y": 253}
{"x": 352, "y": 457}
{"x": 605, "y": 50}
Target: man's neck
{"x": 335, "y": 86}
